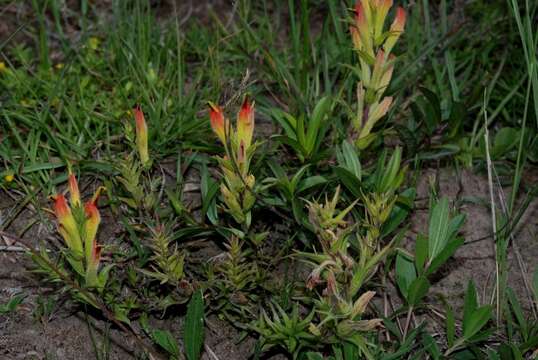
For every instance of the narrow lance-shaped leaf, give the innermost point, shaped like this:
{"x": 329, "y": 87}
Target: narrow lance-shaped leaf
{"x": 417, "y": 290}
{"x": 194, "y": 326}
{"x": 450, "y": 325}
{"x": 166, "y": 340}
{"x": 477, "y": 321}
{"x": 438, "y": 227}
{"x": 405, "y": 274}
{"x": 470, "y": 303}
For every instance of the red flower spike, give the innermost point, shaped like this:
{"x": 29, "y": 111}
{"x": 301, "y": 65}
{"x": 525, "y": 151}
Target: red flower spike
{"x": 141, "y": 135}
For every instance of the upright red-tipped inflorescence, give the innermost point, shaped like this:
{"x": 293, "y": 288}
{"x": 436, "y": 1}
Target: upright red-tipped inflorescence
{"x": 238, "y": 145}
{"x": 141, "y": 135}
{"x": 374, "y": 45}
{"x": 79, "y": 230}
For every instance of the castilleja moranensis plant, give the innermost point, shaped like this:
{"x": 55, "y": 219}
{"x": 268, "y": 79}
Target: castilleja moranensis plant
{"x": 376, "y": 63}
{"x": 237, "y": 189}
{"x": 78, "y": 224}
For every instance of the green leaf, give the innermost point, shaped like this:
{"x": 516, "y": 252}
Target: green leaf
{"x": 421, "y": 252}
{"x": 297, "y": 208}
{"x": 209, "y": 189}
{"x": 474, "y": 317}
{"x": 351, "y": 159}
{"x": 316, "y": 122}
{"x": 287, "y": 121}
{"x": 392, "y": 327}
{"x": 454, "y": 226}
{"x": 296, "y": 178}
{"x": 349, "y": 180}
{"x": 458, "y": 113}
{"x": 166, "y": 340}
{"x": 314, "y": 356}
{"x": 438, "y": 227}
{"x": 408, "y": 137}
{"x": 517, "y": 310}
{"x": 464, "y": 354}
{"x": 470, "y": 303}
{"x": 505, "y": 140}
{"x": 476, "y": 321}
{"x": 286, "y": 140}
{"x": 369, "y": 59}
{"x": 350, "y": 351}
{"x": 504, "y": 352}
{"x": 431, "y": 346}
{"x": 301, "y": 137}
{"x": 194, "y": 326}
{"x": 405, "y": 274}
{"x": 530, "y": 344}
{"x": 310, "y": 182}
{"x": 417, "y": 290}
{"x": 432, "y": 108}
{"x": 450, "y": 325}
{"x": 12, "y": 304}
{"x": 403, "y": 206}
{"x": 391, "y": 171}
{"x": 447, "y": 252}
{"x": 439, "y": 152}
{"x": 277, "y": 170}
{"x": 362, "y": 344}
{"x": 406, "y": 346}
